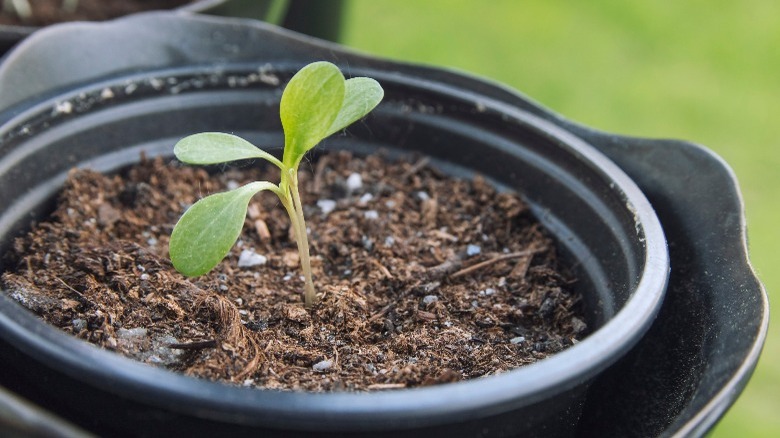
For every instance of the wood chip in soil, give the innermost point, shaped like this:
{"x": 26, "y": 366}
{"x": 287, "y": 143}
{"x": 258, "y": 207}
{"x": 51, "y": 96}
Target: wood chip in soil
{"x": 423, "y": 279}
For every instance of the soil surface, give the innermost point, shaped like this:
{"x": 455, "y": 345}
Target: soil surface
{"x": 422, "y": 279}
{"x": 46, "y": 12}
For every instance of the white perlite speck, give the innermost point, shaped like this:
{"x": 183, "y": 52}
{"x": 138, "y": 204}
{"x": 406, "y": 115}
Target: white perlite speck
{"x": 429, "y": 299}
{"x": 365, "y": 198}
{"x": 354, "y": 182}
{"x": 326, "y": 206}
{"x": 371, "y": 214}
{"x": 473, "y": 250}
{"x": 63, "y": 108}
{"x": 250, "y": 258}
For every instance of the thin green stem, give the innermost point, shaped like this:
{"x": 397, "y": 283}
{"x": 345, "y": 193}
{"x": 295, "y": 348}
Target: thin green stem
{"x": 310, "y": 297}
{"x": 292, "y": 203}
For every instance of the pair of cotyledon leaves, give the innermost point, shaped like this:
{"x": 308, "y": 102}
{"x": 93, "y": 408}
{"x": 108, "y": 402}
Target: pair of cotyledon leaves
{"x": 316, "y": 103}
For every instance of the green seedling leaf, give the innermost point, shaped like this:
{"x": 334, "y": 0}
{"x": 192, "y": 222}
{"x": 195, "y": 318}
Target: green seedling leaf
{"x": 361, "y": 95}
{"x": 217, "y": 147}
{"x": 310, "y": 103}
{"x": 207, "y": 230}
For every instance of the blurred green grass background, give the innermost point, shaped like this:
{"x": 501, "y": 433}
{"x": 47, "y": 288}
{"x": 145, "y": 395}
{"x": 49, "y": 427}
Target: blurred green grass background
{"x": 703, "y": 71}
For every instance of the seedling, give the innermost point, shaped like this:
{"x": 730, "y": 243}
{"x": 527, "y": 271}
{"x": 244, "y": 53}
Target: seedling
{"x": 316, "y": 103}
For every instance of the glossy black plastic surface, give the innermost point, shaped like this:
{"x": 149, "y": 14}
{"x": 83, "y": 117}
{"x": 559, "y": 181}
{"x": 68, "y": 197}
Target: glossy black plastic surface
{"x": 321, "y": 19}
{"x": 12, "y": 35}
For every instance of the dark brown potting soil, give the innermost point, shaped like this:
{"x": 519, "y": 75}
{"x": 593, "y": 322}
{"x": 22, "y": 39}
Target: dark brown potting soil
{"x": 46, "y": 12}
{"x": 423, "y": 279}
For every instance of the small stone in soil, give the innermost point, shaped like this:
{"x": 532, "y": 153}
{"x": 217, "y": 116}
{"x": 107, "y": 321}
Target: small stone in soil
{"x": 354, "y": 182}
{"x": 249, "y": 258}
{"x": 547, "y": 309}
{"x": 366, "y": 198}
{"x": 371, "y": 214}
{"x": 162, "y": 351}
{"x": 432, "y": 286}
{"x": 79, "y": 324}
{"x": 429, "y": 299}
{"x": 487, "y": 292}
{"x": 323, "y": 365}
{"x": 578, "y": 325}
{"x": 133, "y": 333}
{"x": 326, "y": 206}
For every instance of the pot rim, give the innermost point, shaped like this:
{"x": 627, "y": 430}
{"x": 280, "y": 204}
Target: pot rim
{"x": 417, "y": 406}
{"x": 18, "y": 32}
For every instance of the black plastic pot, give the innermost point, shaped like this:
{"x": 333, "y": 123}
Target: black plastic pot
{"x": 11, "y": 35}
{"x": 321, "y": 19}
{"x": 222, "y": 77}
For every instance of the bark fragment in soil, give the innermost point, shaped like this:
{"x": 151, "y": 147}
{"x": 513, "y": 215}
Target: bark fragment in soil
{"x": 423, "y": 279}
